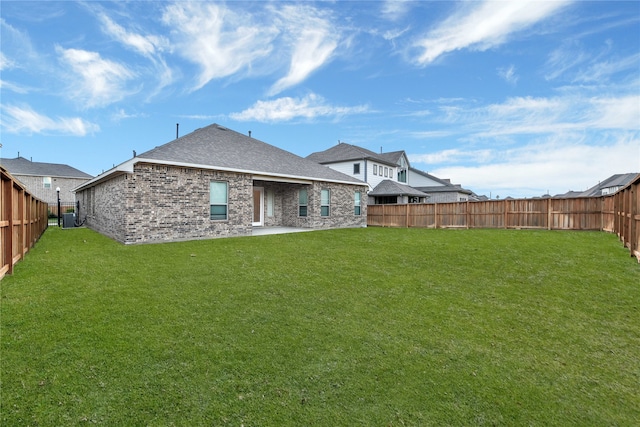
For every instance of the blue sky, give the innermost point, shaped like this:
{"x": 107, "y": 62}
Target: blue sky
{"x": 506, "y": 98}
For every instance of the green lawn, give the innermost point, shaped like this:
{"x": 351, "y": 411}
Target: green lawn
{"x": 369, "y": 327}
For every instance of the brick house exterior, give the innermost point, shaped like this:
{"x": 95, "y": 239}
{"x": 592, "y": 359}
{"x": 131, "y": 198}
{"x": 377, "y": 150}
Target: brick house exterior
{"x": 42, "y": 179}
{"x": 165, "y": 194}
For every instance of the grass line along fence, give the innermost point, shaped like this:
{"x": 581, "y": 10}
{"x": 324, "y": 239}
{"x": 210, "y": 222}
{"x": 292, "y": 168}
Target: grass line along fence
{"x": 618, "y": 213}
{"x": 23, "y": 219}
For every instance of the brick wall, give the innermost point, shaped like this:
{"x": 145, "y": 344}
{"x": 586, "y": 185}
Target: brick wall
{"x": 35, "y": 186}
{"x": 341, "y": 207}
{"x": 160, "y": 203}
{"x": 103, "y": 207}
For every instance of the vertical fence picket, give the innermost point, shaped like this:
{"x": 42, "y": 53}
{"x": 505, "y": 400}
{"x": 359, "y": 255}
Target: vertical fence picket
{"x": 618, "y": 213}
{"x": 23, "y": 219}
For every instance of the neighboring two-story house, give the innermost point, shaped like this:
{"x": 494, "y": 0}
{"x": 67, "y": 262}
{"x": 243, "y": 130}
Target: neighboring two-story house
{"x": 43, "y": 179}
{"x": 390, "y": 177}
{"x": 386, "y": 174}
{"x": 439, "y": 190}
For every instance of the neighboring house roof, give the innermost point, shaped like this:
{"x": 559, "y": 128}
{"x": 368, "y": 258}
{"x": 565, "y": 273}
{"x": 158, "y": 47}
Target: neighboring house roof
{"x": 344, "y": 152}
{"x": 393, "y": 188}
{"x": 22, "y": 166}
{"x": 220, "y": 148}
{"x": 444, "y": 189}
{"x": 615, "y": 181}
{"x": 445, "y": 185}
{"x": 393, "y": 156}
{"x": 618, "y": 180}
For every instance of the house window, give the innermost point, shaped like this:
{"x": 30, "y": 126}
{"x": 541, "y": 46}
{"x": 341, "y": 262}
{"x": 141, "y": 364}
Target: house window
{"x": 356, "y": 168}
{"x": 325, "y": 198}
{"x": 356, "y": 203}
{"x": 402, "y": 175}
{"x": 219, "y": 200}
{"x": 303, "y": 200}
{"x": 46, "y": 182}
{"x": 375, "y": 169}
{"x": 270, "y": 202}
{"x": 386, "y": 171}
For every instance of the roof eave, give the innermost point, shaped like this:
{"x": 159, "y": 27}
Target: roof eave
{"x": 127, "y": 167}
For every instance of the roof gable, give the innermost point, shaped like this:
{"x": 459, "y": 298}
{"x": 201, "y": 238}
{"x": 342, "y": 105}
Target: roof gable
{"x": 22, "y": 166}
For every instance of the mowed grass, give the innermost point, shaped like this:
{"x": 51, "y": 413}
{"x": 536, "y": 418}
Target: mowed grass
{"x": 369, "y": 327}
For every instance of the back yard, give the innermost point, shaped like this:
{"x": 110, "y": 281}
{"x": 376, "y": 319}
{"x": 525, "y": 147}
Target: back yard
{"x": 371, "y": 327}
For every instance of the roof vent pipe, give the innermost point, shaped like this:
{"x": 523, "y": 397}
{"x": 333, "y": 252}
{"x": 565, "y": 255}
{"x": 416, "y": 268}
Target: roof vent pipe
{"x": 177, "y": 126}
{"x": 249, "y": 134}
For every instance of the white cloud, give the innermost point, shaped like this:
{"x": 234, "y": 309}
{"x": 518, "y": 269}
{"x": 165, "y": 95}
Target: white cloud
{"x": 25, "y": 120}
{"x": 557, "y": 165}
{"x": 221, "y": 41}
{"x": 144, "y": 45}
{"x": 395, "y": 9}
{"x": 616, "y": 113}
{"x": 121, "y": 114}
{"x": 601, "y": 71}
{"x": 5, "y": 63}
{"x": 314, "y": 39}
{"x": 570, "y": 142}
{"x": 483, "y": 25}
{"x": 284, "y": 109}
{"x": 101, "y": 82}
{"x": 149, "y": 46}
{"x": 509, "y": 74}
{"x": 578, "y": 66}
{"x": 539, "y": 116}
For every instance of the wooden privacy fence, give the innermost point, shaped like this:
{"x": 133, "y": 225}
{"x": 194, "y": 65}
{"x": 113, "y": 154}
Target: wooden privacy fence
{"x": 23, "y": 219}
{"x": 618, "y": 213}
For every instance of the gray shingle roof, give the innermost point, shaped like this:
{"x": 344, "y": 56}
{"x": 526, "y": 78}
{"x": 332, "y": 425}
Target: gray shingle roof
{"x": 393, "y": 188}
{"x": 618, "y": 180}
{"x": 344, "y": 152}
{"x": 218, "y": 147}
{"x": 444, "y": 189}
{"x": 22, "y": 166}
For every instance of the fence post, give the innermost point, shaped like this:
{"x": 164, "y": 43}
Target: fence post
{"x": 505, "y": 214}
{"x": 407, "y": 214}
{"x": 633, "y": 228}
{"x": 468, "y": 215}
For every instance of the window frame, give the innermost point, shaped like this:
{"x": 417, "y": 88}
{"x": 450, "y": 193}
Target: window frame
{"x": 325, "y": 208}
{"x": 217, "y": 216}
{"x": 356, "y": 168}
{"x": 304, "y": 205}
{"x": 357, "y": 203}
{"x": 47, "y": 182}
{"x": 270, "y": 203}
